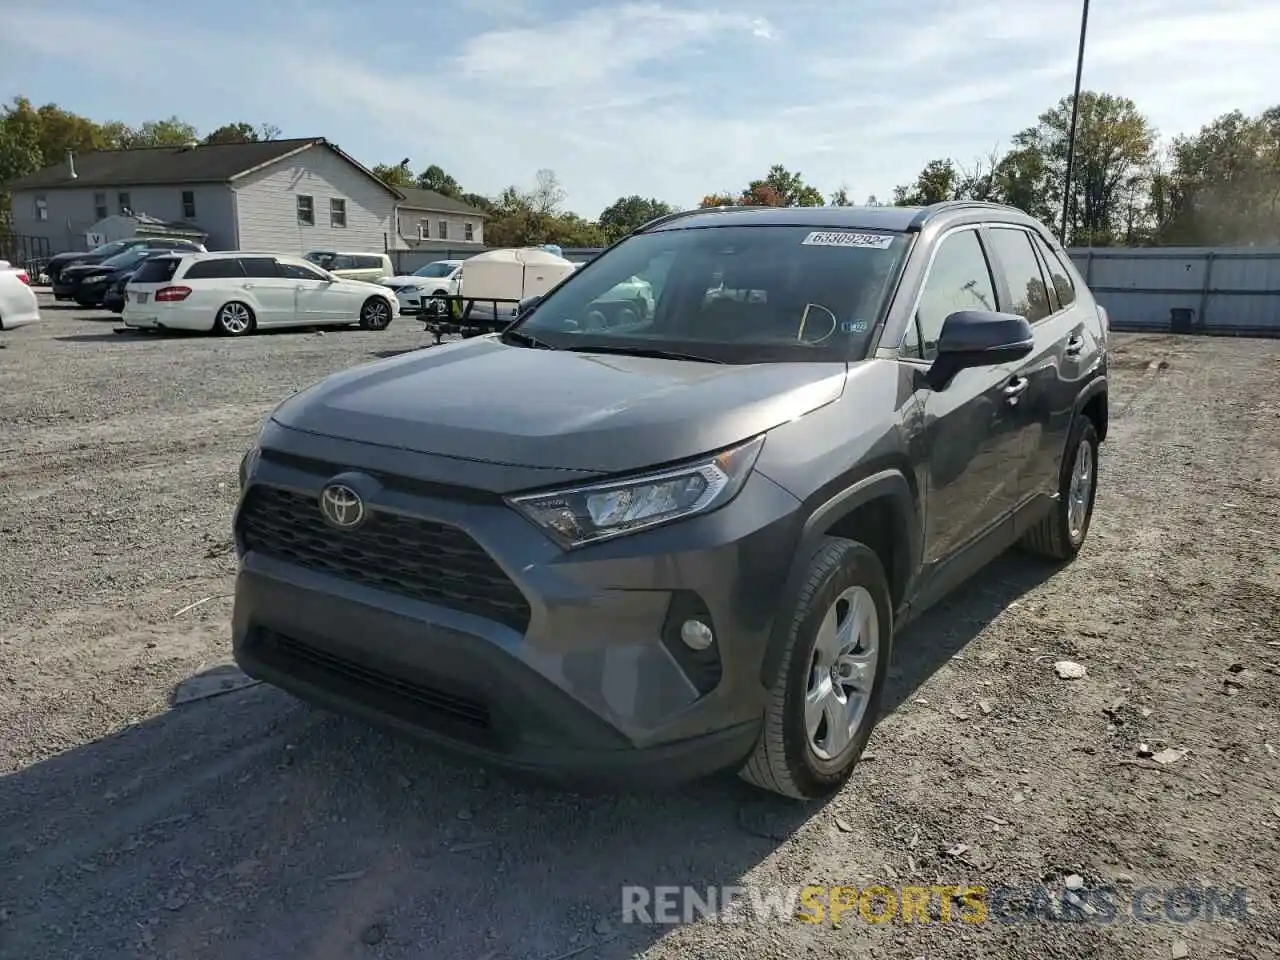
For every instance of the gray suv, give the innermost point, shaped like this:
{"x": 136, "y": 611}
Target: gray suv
{"x": 640, "y": 549}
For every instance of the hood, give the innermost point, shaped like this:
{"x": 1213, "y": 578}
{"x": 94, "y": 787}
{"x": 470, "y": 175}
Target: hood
{"x": 82, "y": 270}
{"x": 483, "y": 400}
{"x": 409, "y": 280}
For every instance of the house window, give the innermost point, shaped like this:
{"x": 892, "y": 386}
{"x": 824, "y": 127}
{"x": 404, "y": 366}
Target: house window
{"x": 100, "y": 206}
{"x": 122, "y": 199}
{"x": 306, "y": 211}
{"x": 188, "y": 204}
{"x": 337, "y": 212}
{"x": 42, "y": 207}
{"x": 469, "y": 231}
{"x": 424, "y": 230}
{"x": 443, "y": 225}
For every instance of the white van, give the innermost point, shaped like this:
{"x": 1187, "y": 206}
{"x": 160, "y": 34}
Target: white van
{"x": 373, "y": 267}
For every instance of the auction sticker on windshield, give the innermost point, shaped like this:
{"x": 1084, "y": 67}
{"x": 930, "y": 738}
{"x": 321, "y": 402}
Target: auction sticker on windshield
{"x": 846, "y": 238}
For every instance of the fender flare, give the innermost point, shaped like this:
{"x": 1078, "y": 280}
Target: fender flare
{"x": 890, "y": 485}
{"x": 1098, "y": 385}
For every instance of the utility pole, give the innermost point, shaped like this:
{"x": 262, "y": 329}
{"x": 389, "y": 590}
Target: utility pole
{"x": 1075, "y": 115}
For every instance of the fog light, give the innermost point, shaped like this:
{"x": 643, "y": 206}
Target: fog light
{"x": 696, "y": 634}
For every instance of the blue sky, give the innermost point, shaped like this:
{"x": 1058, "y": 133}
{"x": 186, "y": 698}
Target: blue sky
{"x": 673, "y": 100}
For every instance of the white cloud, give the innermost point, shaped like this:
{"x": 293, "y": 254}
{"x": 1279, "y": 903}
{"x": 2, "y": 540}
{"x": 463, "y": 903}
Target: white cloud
{"x": 675, "y": 100}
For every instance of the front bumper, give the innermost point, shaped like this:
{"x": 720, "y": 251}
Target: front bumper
{"x": 590, "y": 687}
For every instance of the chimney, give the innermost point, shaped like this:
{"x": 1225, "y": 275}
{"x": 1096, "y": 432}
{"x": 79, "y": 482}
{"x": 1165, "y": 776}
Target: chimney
{"x": 71, "y": 164}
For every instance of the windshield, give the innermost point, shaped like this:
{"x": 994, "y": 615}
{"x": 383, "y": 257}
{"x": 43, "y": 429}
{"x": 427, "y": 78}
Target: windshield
{"x": 441, "y": 268}
{"x": 736, "y": 294}
{"x": 108, "y": 249}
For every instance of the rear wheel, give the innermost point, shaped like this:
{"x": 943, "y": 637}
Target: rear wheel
{"x": 1061, "y": 534}
{"x": 825, "y": 700}
{"x": 235, "y": 319}
{"x": 375, "y": 314}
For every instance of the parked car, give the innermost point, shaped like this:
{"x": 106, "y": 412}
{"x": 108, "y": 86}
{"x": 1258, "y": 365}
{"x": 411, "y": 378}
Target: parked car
{"x": 59, "y": 262}
{"x": 18, "y": 304}
{"x": 649, "y": 552}
{"x": 87, "y": 284}
{"x": 374, "y": 267}
{"x": 437, "y": 279}
{"x": 238, "y": 293}
{"x": 113, "y": 296}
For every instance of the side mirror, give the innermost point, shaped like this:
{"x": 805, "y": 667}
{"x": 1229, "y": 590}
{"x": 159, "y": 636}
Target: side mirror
{"x": 979, "y": 338}
{"x": 527, "y": 304}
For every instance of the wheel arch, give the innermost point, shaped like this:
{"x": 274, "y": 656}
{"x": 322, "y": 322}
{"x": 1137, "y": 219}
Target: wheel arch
{"x": 1092, "y": 403}
{"x": 878, "y": 508}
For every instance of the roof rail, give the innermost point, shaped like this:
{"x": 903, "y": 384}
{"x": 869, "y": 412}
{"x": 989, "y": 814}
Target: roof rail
{"x": 678, "y": 215}
{"x": 945, "y": 206}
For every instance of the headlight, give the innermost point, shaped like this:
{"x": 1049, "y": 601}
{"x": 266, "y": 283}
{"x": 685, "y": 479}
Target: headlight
{"x": 599, "y": 511}
{"x": 248, "y": 463}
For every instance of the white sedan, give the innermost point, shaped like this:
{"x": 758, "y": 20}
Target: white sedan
{"x": 438, "y": 279}
{"x": 237, "y": 293}
{"x": 18, "y": 305}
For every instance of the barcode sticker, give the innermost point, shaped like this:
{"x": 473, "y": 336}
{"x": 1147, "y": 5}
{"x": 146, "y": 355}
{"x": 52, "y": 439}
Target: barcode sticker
{"x": 846, "y": 238}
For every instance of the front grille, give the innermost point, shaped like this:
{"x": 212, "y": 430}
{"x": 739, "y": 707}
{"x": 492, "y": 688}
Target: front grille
{"x": 405, "y": 555}
{"x": 408, "y": 698}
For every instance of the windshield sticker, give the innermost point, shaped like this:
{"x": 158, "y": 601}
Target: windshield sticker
{"x": 845, "y": 238}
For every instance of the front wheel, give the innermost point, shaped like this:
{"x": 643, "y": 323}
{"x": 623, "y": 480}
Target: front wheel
{"x": 234, "y": 319}
{"x": 824, "y": 702}
{"x": 375, "y": 314}
{"x": 1060, "y": 535}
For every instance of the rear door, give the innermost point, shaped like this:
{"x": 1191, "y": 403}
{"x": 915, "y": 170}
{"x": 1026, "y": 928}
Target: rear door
{"x": 971, "y": 485}
{"x": 1044, "y": 417}
{"x": 273, "y": 296}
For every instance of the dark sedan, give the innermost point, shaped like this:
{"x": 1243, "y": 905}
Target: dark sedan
{"x": 87, "y": 284}
{"x": 63, "y": 261}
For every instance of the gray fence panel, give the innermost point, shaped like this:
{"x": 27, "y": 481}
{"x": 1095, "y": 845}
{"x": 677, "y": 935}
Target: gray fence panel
{"x": 1231, "y": 290}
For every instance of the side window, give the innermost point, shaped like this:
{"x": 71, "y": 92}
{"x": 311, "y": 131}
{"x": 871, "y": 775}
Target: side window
{"x": 343, "y": 261}
{"x": 259, "y": 267}
{"x": 1012, "y": 248}
{"x": 217, "y": 269}
{"x": 1059, "y": 276}
{"x": 296, "y": 271}
{"x": 959, "y": 279}
{"x": 369, "y": 263}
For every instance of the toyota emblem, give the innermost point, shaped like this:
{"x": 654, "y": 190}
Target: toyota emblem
{"x": 342, "y": 506}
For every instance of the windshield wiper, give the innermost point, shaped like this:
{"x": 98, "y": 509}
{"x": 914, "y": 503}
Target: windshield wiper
{"x": 643, "y": 352}
{"x": 528, "y": 340}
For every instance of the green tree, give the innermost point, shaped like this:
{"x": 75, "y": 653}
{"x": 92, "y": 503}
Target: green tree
{"x": 242, "y": 133}
{"x": 781, "y": 188}
{"x": 154, "y": 133}
{"x": 397, "y": 176}
{"x": 1115, "y": 150}
{"x": 840, "y": 198}
{"x": 628, "y": 213}
{"x": 434, "y": 178}
{"x": 936, "y": 182}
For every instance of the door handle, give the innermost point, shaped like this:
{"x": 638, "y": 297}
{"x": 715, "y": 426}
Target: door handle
{"x": 1016, "y": 388}
{"x": 247, "y": 286}
{"x": 1075, "y": 345}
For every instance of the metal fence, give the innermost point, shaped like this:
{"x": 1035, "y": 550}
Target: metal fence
{"x": 30, "y": 253}
{"x": 1226, "y": 290}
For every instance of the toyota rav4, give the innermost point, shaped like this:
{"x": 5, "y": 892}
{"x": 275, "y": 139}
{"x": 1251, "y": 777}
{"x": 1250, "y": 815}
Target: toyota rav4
{"x": 648, "y": 548}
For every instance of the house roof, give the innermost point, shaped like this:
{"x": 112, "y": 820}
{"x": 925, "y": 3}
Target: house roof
{"x": 415, "y": 198}
{"x": 206, "y": 163}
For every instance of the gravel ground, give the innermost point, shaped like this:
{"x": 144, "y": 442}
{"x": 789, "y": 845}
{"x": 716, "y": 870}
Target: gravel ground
{"x": 249, "y": 825}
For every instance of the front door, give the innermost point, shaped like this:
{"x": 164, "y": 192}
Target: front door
{"x": 969, "y": 426}
{"x": 313, "y": 294}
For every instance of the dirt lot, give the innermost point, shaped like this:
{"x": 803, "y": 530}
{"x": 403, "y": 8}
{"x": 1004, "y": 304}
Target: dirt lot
{"x": 251, "y": 826}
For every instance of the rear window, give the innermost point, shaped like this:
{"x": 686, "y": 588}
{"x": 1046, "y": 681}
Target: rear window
{"x": 156, "y": 270}
{"x": 221, "y": 268}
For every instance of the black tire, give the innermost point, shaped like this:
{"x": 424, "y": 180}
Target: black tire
{"x": 230, "y": 319}
{"x": 784, "y": 760}
{"x": 1053, "y": 536}
{"x": 375, "y": 314}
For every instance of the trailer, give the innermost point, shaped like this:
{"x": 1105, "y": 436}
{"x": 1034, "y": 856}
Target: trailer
{"x": 492, "y": 285}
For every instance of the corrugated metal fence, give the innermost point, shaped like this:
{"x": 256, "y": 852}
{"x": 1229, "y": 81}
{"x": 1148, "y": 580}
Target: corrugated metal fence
{"x": 1229, "y": 290}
